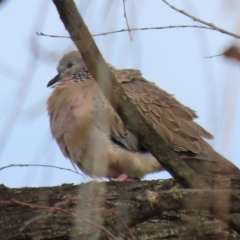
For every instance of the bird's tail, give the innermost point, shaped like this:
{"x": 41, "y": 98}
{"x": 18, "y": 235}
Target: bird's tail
{"x": 219, "y": 165}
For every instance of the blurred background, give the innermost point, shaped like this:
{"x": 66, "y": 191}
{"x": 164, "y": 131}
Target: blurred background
{"x": 175, "y": 59}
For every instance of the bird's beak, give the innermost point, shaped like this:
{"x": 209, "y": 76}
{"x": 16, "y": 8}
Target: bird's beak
{"x": 54, "y": 80}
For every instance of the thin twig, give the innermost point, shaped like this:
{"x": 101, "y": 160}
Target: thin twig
{"x": 219, "y": 55}
{"x": 39, "y": 165}
{"x": 131, "y": 29}
{"x": 201, "y": 21}
{"x": 47, "y": 35}
{"x": 151, "y": 28}
{"x": 125, "y": 15}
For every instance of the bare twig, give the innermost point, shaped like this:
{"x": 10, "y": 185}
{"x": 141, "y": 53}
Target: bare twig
{"x": 131, "y": 29}
{"x": 125, "y": 15}
{"x": 47, "y": 35}
{"x": 40, "y": 165}
{"x": 203, "y": 22}
{"x": 218, "y": 55}
{"x": 151, "y": 28}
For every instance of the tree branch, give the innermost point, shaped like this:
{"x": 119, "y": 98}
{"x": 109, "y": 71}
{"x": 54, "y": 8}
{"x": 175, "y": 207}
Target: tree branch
{"x": 201, "y": 21}
{"x": 140, "y": 210}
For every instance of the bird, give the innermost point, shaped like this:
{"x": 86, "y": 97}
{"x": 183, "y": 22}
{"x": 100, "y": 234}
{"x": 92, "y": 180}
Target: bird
{"x": 90, "y": 133}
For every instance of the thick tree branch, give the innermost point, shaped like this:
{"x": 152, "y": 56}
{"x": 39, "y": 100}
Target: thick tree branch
{"x": 131, "y": 117}
{"x": 122, "y": 210}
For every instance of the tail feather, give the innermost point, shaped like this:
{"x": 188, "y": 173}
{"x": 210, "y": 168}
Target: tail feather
{"x": 219, "y": 165}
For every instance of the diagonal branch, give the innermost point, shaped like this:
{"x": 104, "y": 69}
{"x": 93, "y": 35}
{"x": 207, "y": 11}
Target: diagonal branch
{"x": 113, "y": 91}
{"x": 203, "y": 22}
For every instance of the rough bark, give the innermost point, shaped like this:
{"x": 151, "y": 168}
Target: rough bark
{"x": 158, "y": 209}
{"x": 84, "y": 42}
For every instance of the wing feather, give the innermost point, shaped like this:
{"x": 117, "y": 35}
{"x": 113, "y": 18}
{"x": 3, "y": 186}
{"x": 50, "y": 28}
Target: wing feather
{"x": 171, "y": 119}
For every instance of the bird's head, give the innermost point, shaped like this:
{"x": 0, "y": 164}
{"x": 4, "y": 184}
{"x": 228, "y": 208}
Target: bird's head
{"x": 70, "y": 64}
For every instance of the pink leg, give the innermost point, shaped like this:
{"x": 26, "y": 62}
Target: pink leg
{"x": 122, "y": 177}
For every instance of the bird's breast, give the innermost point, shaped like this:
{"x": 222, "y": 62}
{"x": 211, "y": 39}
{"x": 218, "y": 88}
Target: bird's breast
{"x": 70, "y": 109}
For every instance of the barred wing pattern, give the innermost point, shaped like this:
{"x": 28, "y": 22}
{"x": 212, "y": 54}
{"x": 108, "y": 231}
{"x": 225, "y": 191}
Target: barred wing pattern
{"x": 173, "y": 121}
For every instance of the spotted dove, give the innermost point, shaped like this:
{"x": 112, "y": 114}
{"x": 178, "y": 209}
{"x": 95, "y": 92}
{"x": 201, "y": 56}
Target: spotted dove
{"x": 90, "y": 133}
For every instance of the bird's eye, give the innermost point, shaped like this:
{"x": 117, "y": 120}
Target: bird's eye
{"x": 69, "y": 65}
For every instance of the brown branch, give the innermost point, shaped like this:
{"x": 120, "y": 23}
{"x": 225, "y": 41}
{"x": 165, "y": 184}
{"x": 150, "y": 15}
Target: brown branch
{"x": 157, "y": 202}
{"x": 203, "y": 22}
{"x": 149, "y": 209}
{"x": 232, "y": 52}
{"x": 112, "y": 90}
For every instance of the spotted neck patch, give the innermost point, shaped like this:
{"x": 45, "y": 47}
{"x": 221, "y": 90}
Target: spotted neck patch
{"x": 82, "y": 75}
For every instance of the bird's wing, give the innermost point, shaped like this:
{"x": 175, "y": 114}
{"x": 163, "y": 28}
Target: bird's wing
{"x": 119, "y": 134}
{"x": 172, "y": 120}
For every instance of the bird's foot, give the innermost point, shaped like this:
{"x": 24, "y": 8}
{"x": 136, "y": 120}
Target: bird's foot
{"x": 123, "y": 177}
